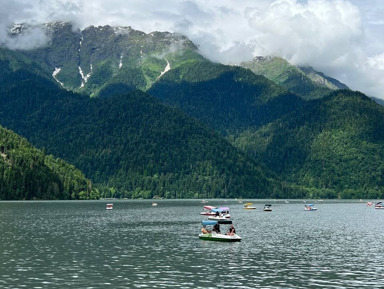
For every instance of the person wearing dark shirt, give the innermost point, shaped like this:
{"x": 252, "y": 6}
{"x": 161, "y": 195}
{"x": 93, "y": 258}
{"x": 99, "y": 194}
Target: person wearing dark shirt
{"x": 231, "y": 231}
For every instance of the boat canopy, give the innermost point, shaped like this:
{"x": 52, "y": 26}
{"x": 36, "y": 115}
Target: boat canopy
{"x": 209, "y": 207}
{"x": 217, "y": 210}
{"x": 224, "y": 208}
{"x": 248, "y": 204}
{"x": 209, "y": 223}
{"x": 310, "y": 205}
{"x": 267, "y": 205}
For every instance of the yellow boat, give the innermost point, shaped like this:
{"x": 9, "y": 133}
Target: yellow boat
{"x": 248, "y": 206}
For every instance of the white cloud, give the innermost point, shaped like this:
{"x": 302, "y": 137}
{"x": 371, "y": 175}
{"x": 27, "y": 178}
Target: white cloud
{"x": 342, "y": 38}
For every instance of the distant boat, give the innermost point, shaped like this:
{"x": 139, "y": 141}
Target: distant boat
{"x": 248, "y": 206}
{"x": 379, "y": 205}
{"x": 214, "y": 211}
{"x": 109, "y": 206}
{"x": 207, "y": 211}
{"x": 220, "y": 219}
{"x": 154, "y": 204}
{"x": 223, "y": 211}
{"x": 267, "y": 208}
{"x": 309, "y": 207}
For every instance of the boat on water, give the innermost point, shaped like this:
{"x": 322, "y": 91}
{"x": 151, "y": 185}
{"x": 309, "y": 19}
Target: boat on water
{"x": 379, "y": 205}
{"x": 207, "y": 211}
{"x": 248, "y": 206}
{"x": 309, "y": 207}
{"x": 215, "y": 211}
{"x": 267, "y": 208}
{"x": 211, "y": 235}
{"x": 224, "y": 211}
{"x": 154, "y": 204}
{"x": 109, "y": 206}
{"x": 220, "y": 219}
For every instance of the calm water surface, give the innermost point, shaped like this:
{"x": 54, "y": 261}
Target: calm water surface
{"x": 82, "y": 245}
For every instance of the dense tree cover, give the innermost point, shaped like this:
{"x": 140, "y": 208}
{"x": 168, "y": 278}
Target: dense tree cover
{"x": 130, "y": 145}
{"x": 332, "y": 147}
{"x": 27, "y": 173}
{"x": 228, "y": 99}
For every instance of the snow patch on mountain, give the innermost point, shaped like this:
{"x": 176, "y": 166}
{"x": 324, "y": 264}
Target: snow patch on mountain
{"x": 167, "y": 68}
{"x": 55, "y": 73}
{"x": 121, "y": 61}
{"x": 85, "y": 77}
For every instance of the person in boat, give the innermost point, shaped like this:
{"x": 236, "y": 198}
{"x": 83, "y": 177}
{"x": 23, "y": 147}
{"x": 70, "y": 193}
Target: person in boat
{"x": 231, "y": 231}
{"x": 216, "y": 228}
{"x": 204, "y": 230}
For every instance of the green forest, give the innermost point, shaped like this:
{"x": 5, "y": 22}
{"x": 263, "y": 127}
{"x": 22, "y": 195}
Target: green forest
{"x": 27, "y": 173}
{"x": 131, "y": 145}
{"x": 201, "y": 130}
{"x": 332, "y": 147}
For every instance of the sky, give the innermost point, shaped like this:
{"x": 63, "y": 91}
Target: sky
{"x": 341, "y": 38}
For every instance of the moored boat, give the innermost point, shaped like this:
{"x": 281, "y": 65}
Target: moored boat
{"x": 109, "y": 206}
{"x": 212, "y": 235}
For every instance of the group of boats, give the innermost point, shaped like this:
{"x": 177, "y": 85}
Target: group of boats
{"x": 211, "y": 230}
{"x": 378, "y": 205}
{"x": 249, "y": 206}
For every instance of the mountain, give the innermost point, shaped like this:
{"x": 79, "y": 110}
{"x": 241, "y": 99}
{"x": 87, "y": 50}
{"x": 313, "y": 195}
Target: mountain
{"x": 89, "y": 60}
{"x": 333, "y": 146}
{"x": 304, "y": 81}
{"x": 163, "y": 120}
{"x": 27, "y": 173}
{"x": 129, "y": 145}
{"x": 229, "y": 99}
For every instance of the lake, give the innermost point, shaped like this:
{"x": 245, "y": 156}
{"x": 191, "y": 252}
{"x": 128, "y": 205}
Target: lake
{"x": 80, "y": 244}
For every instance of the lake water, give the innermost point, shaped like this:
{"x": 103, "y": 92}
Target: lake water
{"x": 77, "y": 244}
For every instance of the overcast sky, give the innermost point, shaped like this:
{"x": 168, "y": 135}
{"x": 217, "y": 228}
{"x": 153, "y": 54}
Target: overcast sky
{"x": 342, "y": 38}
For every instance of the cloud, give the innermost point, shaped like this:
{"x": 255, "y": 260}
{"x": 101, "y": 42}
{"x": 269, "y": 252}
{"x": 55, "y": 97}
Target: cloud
{"x": 341, "y": 38}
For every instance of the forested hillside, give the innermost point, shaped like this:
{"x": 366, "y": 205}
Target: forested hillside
{"x": 130, "y": 145}
{"x": 27, "y": 173}
{"x": 333, "y": 147}
{"x": 154, "y": 117}
{"x": 226, "y": 98}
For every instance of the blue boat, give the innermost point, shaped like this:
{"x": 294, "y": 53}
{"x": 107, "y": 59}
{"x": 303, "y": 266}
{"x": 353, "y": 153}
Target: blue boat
{"x": 309, "y": 207}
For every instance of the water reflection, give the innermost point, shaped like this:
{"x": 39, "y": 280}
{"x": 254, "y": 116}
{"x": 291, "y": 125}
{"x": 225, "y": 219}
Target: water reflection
{"x": 135, "y": 245}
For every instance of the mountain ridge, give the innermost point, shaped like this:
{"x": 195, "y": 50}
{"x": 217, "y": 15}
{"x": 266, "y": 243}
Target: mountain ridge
{"x": 304, "y": 81}
{"x": 130, "y": 145}
{"x": 171, "y": 123}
